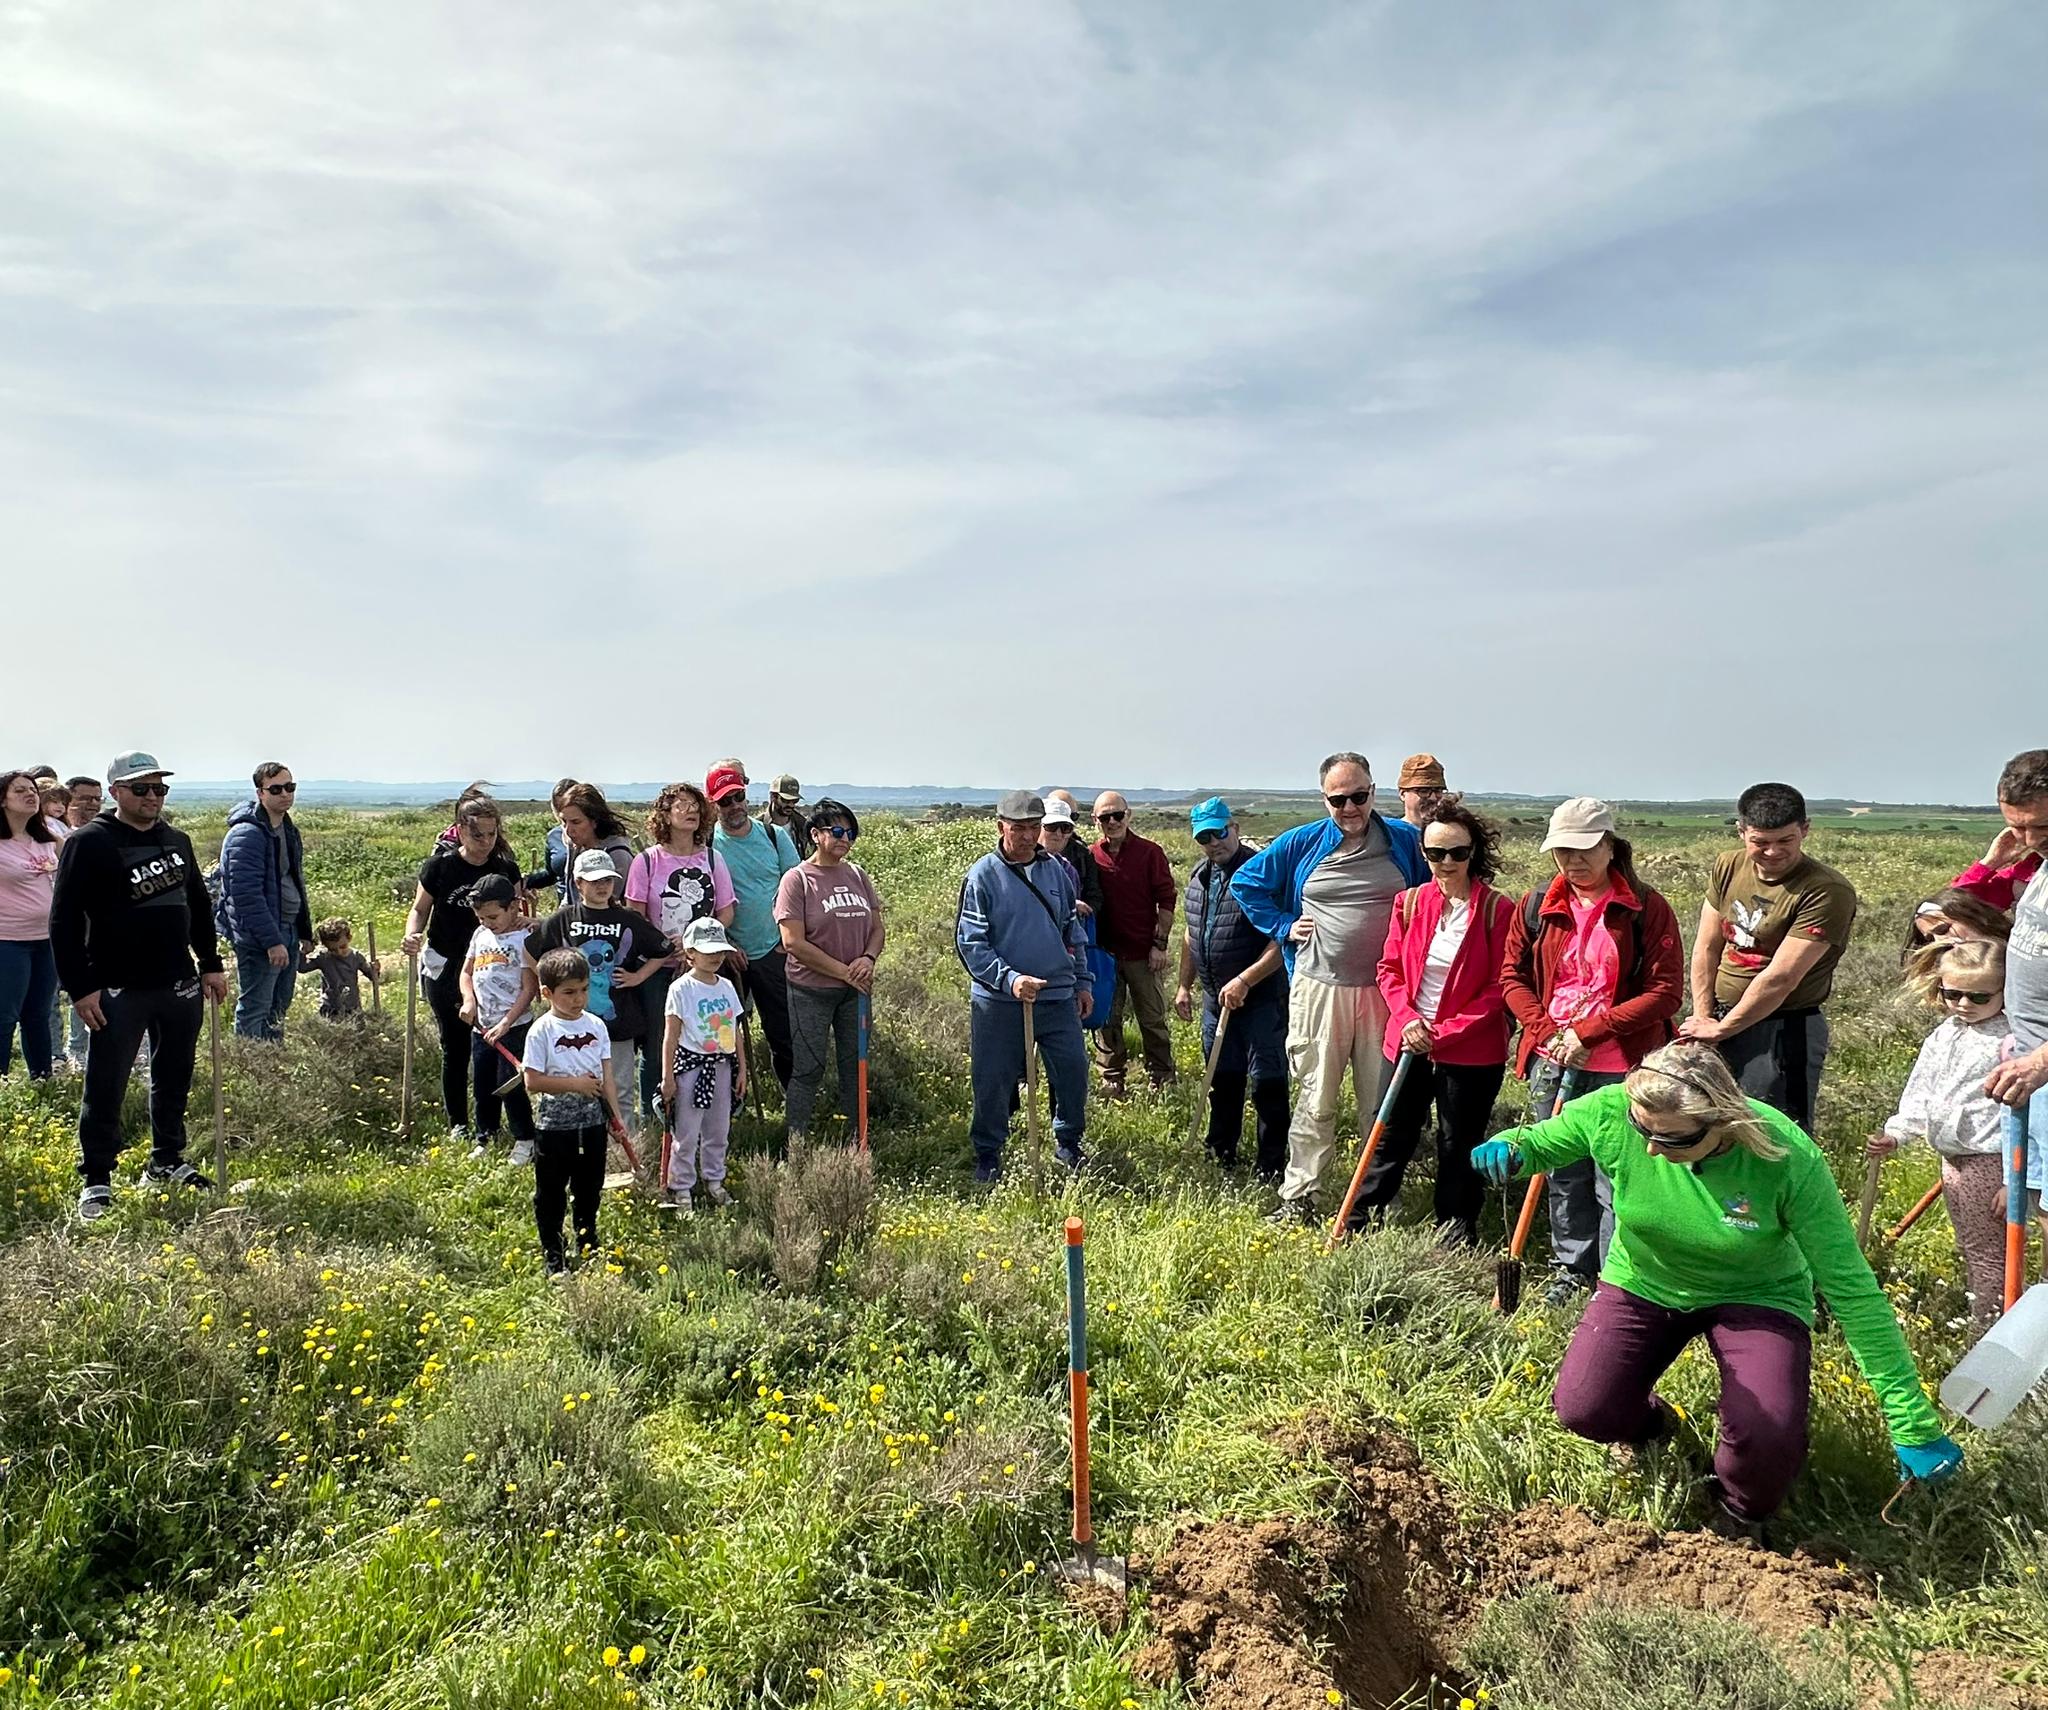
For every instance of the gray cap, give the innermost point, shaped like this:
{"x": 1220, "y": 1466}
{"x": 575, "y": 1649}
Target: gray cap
{"x": 1020, "y": 804}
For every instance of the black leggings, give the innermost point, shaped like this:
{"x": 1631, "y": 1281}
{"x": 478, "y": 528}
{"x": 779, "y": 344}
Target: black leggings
{"x": 567, "y": 1161}
{"x": 444, "y": 998}
{"x": 1463, "y": 1095}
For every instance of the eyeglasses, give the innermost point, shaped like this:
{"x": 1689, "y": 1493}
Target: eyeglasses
{"x": 156, "y": 789}
{"x": 1954, "y": 994}
{"x": 844, "y": 833}
{"x": 1205, "y": 838}
{"x": 1668, "y": 1142}
{"x": 1459, "y": 852}
{"x": 1357, "y": 798}
{"x": 730, "y": 797}
{"x": 1115, "y": 816}
{"x": 280, "y": 789}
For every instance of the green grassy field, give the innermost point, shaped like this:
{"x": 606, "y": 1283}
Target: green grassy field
{"x": 337, "y": 1442}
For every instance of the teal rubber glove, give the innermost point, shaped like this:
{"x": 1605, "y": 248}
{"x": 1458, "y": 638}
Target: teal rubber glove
{"x": 1497, "y": 1161}
{"x": 1929, "y": 1462}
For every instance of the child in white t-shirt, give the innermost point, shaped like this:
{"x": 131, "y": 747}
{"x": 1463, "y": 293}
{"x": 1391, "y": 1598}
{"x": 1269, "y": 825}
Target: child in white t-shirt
{"x": 1944, "y": 1103}
{"x": 498, "y": 989}
{"x": 704, "y": 1070}
{"x": 568, "y": 1064}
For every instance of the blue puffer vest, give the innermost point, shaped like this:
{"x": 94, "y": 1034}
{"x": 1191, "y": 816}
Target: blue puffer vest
{"x": 1221, "y": 940}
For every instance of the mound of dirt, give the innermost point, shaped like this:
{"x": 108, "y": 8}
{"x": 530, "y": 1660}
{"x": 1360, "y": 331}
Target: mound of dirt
{"x": 1973, "y": 1683}
{"x": 1621, "y": 1561}
{"x": 1275, "y": 1615}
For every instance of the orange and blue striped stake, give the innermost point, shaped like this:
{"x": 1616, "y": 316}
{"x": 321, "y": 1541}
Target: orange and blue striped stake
{"x": 2015, "y": 1203}
{"x": 1077, "y": 1379}
{"x": 861, "y": 1011}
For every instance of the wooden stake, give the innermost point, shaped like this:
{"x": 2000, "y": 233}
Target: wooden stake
{"x": 1208, "y": 1078}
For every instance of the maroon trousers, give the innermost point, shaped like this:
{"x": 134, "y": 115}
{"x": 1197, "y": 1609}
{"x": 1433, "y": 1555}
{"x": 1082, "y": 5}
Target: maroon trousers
{"x": 1624, "y": 1344}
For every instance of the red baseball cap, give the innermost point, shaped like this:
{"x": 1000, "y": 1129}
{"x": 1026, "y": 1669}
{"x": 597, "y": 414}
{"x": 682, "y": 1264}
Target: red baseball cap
{"x": 723, "y": 781}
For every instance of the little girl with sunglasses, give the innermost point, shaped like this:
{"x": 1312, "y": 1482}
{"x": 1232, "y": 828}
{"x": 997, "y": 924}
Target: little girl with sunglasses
{"x": 1944, "y": 1104}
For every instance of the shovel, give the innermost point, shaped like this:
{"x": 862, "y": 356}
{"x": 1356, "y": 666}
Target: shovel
{"x": 412, "y": 998}
{"x": 1921, "y": 1207}
{"x": 220, "y": 1114}
{"x": 1402, "y": 1065}
{"x": 1208, "y": 1077}
{"x": 1031, "y": 1099}
{"x": 861, "y": 1011}
{"x": 611, "y": 1116}
{"x": 1507, "y": 1275}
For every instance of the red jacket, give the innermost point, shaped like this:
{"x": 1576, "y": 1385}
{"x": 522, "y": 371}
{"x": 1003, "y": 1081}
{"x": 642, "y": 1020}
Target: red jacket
{"x": 1644, "y": 1001}
{"x": 1136, "y": 884}
{"x": 2001, "y": 889}
{"x": 1471, "y": 1024}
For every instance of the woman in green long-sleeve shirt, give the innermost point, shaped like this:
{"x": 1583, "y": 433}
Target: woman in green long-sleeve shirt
{"x": 1726, "y": 1219}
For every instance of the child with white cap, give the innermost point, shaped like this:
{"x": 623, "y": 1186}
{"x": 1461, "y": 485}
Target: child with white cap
{"x": 703, "y": 1069}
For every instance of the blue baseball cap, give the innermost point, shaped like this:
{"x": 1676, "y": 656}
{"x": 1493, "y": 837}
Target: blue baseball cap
{"x": 1211, "y": 815}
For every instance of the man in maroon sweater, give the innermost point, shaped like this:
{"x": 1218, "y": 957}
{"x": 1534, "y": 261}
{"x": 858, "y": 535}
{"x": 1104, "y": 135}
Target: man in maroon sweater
{"x": 1138, "y": 899}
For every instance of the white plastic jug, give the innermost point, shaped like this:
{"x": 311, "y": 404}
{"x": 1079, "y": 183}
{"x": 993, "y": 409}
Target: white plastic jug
{"x": 1994, "y": 1377}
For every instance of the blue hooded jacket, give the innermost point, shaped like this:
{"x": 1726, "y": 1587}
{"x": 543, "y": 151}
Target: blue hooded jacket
{"x": 1268, "y": 887}
{"x": 252, "y": 884}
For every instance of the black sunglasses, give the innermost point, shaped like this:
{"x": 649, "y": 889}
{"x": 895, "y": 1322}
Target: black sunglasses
{"x": 157, "y": 789}
{"x": 1115, "y": 816}
{"x": 1458, "y": 852}
{"x": 1951, "y": 994}
{"x": 280, "y": 789}
{"x": 1357, "y": 798}
{"x": 1205, "y": 838}
{"x": 1668, "y": 1142}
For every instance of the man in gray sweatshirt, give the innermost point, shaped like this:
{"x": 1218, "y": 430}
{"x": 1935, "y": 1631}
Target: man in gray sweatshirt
{"x": 1024, "y": 948}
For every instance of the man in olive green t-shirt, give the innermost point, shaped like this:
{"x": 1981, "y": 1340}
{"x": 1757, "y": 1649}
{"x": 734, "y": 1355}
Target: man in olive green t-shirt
{"x": 1773, "y": 926}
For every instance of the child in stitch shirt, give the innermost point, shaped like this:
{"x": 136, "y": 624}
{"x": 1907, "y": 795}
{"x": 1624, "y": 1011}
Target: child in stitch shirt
{"x": 704, "y": 1069}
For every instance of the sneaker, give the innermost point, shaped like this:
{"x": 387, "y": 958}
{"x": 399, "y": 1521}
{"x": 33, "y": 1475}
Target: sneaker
{"x": 482, "y": 1149}
{"x": 715, "y": 1192}
{"x": 679, "y": 1201}
{"x": 522, "y": 1152}
{"x": 95, "y": 1200}
{"x": 1290, "y": 1212}
{"x": 175, "y": 1175}
{"x": 1067, "y": 1160}
{"x": 1567, "y": 1288}
{"x": 459, "y": 1135}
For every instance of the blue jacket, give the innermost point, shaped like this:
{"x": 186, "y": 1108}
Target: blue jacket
{"x": 252, "y": 883}
{"x": 1268, "y": 887}
{"x": 1021, "y": 920}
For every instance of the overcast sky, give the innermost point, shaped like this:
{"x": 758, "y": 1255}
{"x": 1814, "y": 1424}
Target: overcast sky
{"x": 1639, "y": 399}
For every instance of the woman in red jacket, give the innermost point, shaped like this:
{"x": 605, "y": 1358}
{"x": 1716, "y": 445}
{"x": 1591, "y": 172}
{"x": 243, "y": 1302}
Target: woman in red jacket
{"x": 1440, "y": 975}
{"x": 1594, "y": 971}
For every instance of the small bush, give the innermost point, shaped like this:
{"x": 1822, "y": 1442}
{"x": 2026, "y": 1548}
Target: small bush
{"x": 816, "y": 1202}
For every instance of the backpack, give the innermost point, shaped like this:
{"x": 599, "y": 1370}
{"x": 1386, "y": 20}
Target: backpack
{"x": 1532, "y": 924}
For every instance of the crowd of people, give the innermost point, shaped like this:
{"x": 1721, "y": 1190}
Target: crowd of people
{"x": 1684, "y": 1188}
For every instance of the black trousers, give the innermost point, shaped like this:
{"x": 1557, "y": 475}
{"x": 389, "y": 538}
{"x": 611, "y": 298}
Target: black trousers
{"x": 491, "y": 1071}
{"x": 1463, "y": 1095}
{"x": 1779, "y": 1061}
{"x": 767, "y": 991}
{"x": 169, "y": 1017}
{"x": 444, "y": 998}
{"x": 1269, "y": 1115}
{"x": 566, "y": 1162}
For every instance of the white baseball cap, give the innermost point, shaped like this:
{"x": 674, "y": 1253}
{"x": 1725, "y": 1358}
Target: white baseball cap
{"x": 1579, "y": 824}
{"x": 1058, "y": 813}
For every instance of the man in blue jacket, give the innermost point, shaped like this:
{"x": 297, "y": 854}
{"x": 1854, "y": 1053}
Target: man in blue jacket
{"x": 1023, "y": 945}
{"x": 264, "y": 911}
{"x": 1326, "y": 891}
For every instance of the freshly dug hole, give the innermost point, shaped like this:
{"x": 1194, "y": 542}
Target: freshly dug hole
{"x": 1276, "y": 1614}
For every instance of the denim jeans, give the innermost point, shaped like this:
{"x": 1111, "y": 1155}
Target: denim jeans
{"x": 996, "y": 1047}
{"x": 169, "y": 1017}
{"x": 262, "y": 993}
{"x": 1580, "y": 1198}
{"x": 28, "y": 986}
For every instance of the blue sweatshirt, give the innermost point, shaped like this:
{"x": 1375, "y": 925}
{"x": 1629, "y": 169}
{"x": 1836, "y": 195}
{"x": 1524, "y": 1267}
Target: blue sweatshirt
{"x": 1268, "y": 887}
{"x": 1021, "y": 920}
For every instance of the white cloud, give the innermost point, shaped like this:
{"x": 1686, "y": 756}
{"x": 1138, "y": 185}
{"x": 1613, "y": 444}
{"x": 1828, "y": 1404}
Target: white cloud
{"x": 1335, "y": 355}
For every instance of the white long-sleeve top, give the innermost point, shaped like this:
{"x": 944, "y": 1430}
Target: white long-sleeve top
{"x": 1944, "y": 1102}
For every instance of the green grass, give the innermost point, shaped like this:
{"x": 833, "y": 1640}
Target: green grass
{"x": 337, "y": 1440}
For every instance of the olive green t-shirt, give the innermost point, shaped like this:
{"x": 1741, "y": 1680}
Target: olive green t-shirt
{"x": 1812, "y": 901}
